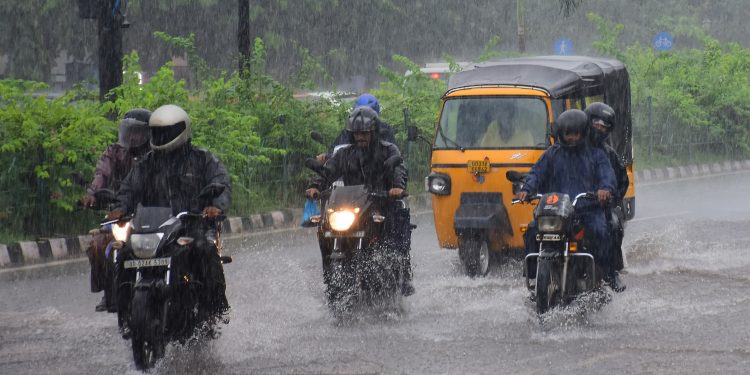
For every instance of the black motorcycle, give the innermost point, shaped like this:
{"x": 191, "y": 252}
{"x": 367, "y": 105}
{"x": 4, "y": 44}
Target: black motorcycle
{"x": 164, "y": 272}
{"x": 565, "y": 269}
{"x": 361, "y": 264}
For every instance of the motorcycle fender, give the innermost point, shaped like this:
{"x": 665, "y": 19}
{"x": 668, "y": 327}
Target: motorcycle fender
{"x": 482, "y": 211}
{"x": 549, "y": 254}
{"x": 156, "y": 286}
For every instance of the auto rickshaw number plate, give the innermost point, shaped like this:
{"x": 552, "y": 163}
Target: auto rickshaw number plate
{"x": 479, "y": 166}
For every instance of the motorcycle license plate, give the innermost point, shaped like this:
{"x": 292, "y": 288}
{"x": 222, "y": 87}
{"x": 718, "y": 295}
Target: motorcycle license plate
{"x": 140, "y": 263}
{"x": 478, "y": 166}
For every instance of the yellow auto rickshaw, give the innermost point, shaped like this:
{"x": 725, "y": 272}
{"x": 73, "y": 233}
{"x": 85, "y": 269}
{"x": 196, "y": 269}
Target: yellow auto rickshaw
{"x": 497, "y": 118}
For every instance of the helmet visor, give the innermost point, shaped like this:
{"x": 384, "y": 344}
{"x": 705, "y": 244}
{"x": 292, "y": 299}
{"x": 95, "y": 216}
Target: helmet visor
{"x": 133, "y": 133}
{"x": 161, "y": 135}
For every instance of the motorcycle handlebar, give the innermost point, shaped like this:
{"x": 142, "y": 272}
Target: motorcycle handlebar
{"x": 529, "y": 199}
{"x": 385, "y": 195}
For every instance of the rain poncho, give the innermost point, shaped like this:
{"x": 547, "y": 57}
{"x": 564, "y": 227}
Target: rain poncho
{"x": 360, "y": 166}
{"x": 573, "y": 171}
{"x": 174, "y": 179}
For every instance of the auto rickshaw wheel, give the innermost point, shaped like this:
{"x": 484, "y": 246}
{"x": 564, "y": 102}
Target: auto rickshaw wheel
{"x": 474, "y": 254}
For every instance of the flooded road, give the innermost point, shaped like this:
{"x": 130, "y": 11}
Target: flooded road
{"x": 686, "y": 309}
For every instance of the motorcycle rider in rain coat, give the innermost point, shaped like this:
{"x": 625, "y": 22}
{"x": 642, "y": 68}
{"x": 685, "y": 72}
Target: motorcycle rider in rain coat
{"x": 572, "y": 167}
{"x": 172, "y": 175}
{"x": 361, "y": 162}
{"x": 602, "y": 119}
{"x": 112, "y": 167}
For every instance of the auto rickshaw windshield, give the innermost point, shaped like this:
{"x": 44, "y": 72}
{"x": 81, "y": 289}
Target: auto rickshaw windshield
{"x": 493, "y": 122}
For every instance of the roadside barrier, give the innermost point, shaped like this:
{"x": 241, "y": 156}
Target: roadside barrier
{"x": 51, "y": 249}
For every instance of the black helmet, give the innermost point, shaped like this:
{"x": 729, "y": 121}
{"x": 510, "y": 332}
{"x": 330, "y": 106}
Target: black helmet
{"x": 572, "y": 121}
{"x": 134, "y": 131}
{"x": 362, "y": 119}
{"x": 140, "y": 114}
{"x": 601, "y": 111}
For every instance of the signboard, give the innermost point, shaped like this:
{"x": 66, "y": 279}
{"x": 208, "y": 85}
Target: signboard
{"x": 563, "y": 47}
{"x": 663, "y": 41}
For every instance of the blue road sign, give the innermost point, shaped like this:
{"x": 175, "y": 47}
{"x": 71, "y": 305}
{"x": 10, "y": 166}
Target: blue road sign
{"x": 564, "y": 47}
{"x": 663, "y": 41}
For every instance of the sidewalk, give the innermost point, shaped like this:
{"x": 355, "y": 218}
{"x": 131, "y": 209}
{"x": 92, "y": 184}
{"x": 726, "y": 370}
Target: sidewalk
{"x": 53, "y": 249}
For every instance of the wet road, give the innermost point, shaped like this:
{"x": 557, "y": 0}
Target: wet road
{"x": 686, "y": 309}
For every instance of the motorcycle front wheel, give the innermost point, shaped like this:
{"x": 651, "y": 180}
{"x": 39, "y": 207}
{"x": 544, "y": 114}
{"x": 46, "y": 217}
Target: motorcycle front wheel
{"x": 547, "y": 285}
{"x": 147, "y": 342}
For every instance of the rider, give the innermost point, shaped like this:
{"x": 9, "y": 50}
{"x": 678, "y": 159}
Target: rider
{"x": 361, "y": 162}
{"x": 172, "y": 175}
{"x": 571, "y": 166}
{"x": 112, "y": 167}
{"x": 602, "y": 119}
{"x": 386, "y": 131}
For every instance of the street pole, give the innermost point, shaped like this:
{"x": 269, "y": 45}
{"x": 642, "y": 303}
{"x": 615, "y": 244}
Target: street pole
{"x": 243, "y": 32}
{"x": 650, "y": 128}
{"x": 109, "y": 48}
{"x": 519, "y": 20}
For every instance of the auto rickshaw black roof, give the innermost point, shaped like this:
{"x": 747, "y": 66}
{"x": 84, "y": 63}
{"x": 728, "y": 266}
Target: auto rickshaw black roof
{"x": 560, "y": 77}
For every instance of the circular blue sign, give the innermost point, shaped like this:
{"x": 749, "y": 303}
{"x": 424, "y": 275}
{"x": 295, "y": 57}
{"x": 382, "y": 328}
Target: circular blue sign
{"x": 663, "y": 41}
{"x": 564, "y": 47}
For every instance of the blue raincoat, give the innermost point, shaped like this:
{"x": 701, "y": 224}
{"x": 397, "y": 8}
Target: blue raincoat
{"x": 573, "y": 171}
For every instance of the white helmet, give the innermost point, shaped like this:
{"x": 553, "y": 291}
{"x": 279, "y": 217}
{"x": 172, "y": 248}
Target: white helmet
{"x": 170, "y": 128}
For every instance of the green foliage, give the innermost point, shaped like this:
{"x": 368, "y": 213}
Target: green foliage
{"x": 46, "y": 145}
{"x": 414, "y": 91}
{"x": 699, "y": 95}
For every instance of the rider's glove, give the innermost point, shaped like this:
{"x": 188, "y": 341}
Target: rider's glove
{"x": 115, "y": 215}
{"x": 88, "y": 201}
{"x": 211, "y": 212}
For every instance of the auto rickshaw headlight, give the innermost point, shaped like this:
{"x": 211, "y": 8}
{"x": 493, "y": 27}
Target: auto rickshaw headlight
{"x": 549, "y": 224}
{"x": 341, "y": 220}
{"x": 438, "y": 183}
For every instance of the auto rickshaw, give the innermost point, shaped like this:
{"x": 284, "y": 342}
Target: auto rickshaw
{"x": 497, "y": 118}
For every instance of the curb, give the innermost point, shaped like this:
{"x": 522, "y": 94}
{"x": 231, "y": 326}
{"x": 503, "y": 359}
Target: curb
{"x": 692, "y": 170}
{"x": 23, "y": 253}
{"x": 17, "y": 254}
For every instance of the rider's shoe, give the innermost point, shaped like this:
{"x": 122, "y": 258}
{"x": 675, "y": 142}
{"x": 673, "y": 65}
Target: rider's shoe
{"x": 125, "y": 331}
{"x": 102, "y": 305}
{"x": 616, "y": 283}
{"x": 407, "y": 289}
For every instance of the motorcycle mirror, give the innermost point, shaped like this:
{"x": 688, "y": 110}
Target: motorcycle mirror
{"x": 317, "y": 137}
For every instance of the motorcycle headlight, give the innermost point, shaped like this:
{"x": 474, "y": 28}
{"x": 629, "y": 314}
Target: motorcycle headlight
{"x": 144, "y": 245}
{"x": 341, "y": 220}
{"x": 550, "y": 224}
{"x": 120, "y": 231}
{"x": 438, "y": 183}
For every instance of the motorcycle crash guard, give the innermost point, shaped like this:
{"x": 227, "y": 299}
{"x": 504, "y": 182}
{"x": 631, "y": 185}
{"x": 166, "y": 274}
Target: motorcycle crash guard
{"x": 482, "y": 211}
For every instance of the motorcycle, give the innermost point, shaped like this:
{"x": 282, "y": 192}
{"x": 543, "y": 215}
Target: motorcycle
{"x": 360, "y": 265}
{"x": 565, "y": 269}
{"x": 163, "y": 273}
{"x": 105, "y": 199}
